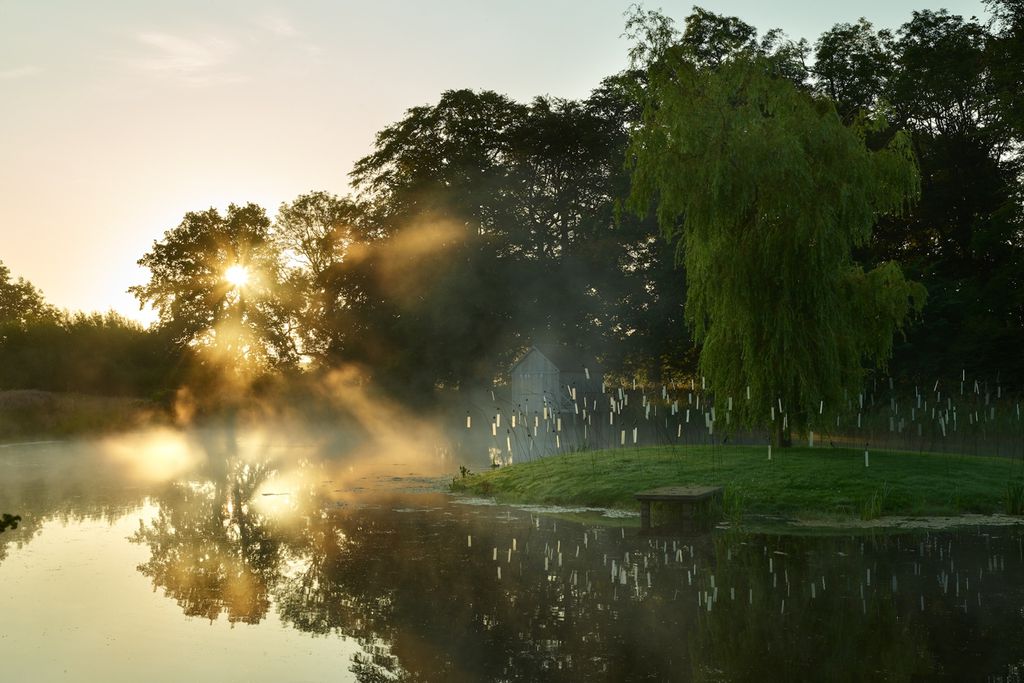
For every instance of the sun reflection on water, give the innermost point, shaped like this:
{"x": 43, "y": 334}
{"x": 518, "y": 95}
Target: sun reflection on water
{"x": 155, "y": 455}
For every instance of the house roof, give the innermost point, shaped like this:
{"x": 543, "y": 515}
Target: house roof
{"x": 565, "y": 358}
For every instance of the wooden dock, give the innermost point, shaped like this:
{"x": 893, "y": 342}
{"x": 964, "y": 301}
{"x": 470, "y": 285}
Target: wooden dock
{"x": 693, "y": 499}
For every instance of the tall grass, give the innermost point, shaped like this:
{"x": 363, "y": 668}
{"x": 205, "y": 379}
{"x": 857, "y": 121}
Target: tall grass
{"x": 1015, "y": 497}
{"x": 874, "y": 506}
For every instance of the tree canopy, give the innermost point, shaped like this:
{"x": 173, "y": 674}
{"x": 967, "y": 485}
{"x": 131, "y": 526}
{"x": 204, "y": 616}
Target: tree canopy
{"x": 766, "y": 193}
{"x": 524, "y": 196}
{"x": 314, "y": 234}
{"x": 215, "y": 284}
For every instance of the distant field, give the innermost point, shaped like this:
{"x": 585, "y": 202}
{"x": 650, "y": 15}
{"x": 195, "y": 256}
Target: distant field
{"x": 26, "y": 414}
{"x": 797, "y": 482}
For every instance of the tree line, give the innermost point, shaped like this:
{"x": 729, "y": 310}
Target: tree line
{"x": 479, "y": 225}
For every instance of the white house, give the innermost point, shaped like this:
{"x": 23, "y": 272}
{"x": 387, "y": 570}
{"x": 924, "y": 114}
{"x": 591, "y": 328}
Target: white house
{"x": 552, "y": 376}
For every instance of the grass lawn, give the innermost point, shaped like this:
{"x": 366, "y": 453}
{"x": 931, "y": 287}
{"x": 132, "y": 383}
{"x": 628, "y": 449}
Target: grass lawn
{"x": 797, "y": 482}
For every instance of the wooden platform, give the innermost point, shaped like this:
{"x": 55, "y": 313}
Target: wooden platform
{"x": 691, "y": 498}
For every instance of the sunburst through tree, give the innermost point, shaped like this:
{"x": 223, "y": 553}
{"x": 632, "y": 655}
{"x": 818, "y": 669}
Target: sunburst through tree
{"x": 215, "y": 284}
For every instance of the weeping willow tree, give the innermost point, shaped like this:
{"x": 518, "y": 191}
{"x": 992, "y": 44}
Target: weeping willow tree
{"x": 765, "y": 194}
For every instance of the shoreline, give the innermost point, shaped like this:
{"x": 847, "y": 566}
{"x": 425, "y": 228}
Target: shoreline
{"x": 801, "y": 488}
{"x": 629, "y": 518}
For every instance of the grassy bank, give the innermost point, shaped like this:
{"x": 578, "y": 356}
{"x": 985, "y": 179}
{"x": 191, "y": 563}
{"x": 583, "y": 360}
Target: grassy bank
{"x": 26, "y": 415}
{"x": 797, "y": 482}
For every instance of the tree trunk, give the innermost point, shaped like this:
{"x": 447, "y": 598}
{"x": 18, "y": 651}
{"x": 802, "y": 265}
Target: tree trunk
{"x": 782, "y": 438}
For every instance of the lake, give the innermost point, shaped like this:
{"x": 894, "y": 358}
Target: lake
{"x": 170, "y": 558}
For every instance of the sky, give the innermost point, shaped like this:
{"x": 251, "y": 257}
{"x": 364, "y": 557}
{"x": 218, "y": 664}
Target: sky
{"x": 118, "y": 117}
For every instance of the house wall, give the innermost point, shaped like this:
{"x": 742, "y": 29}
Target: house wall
{"x": 534, "y": 380}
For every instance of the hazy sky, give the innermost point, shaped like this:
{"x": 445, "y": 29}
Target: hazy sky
{"x": 118, "y": 117}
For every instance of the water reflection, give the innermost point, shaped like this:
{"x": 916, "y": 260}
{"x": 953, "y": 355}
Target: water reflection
{"x": 210, "y": 552}
{"x": 70, "y": 483}
{"x": 434, "y": 589}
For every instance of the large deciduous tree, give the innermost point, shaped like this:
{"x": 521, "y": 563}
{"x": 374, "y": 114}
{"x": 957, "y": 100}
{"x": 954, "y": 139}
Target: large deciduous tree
{"x": 853, "y": 66}
{"x": 526, "y": 192}
{"x": 948, "y": 86}
{"x": 314, "y": 234}
{"x": 1006, "y": 59}
{"x": 765, "y": 193}
{"x": 214, "y": 282}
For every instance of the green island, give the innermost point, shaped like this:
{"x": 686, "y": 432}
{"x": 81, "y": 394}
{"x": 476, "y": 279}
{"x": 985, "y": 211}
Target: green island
{"x": 810, "y": 484}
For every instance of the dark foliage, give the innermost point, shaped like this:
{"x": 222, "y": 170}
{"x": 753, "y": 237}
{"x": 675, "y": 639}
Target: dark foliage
{"x": 9, "y": 521}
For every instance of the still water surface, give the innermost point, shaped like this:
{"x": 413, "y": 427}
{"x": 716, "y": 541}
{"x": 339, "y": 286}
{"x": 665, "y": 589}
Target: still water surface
{"x": 304, "y": 569}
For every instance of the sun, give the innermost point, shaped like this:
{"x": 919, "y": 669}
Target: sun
{"x": 237, "y": 276}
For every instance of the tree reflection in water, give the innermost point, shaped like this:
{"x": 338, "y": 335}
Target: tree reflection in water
{"x": 574, "y": 602}
{"x": 210, "y": 551}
